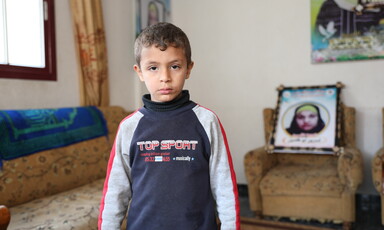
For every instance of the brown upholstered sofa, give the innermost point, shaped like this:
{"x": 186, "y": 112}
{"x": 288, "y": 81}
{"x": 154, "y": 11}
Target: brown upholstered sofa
{"x": 59, "y": 188}
{"x": 320, "y": 187}
{"x": 378, "y": 173}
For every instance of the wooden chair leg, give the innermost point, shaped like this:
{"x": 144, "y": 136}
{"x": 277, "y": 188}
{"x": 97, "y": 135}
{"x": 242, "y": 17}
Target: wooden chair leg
{"x": 258, "y": 215}
{"x": 347, "y": 225}
{"x": 5, "y": 217}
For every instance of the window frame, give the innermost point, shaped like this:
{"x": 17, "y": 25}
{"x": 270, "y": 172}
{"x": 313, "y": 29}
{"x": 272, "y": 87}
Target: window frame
{"x": 32, "y": 73}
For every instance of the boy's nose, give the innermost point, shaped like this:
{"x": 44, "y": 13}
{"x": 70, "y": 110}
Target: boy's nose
{"x": 165, "y": 76}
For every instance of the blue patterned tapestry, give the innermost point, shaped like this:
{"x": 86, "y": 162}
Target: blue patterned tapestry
{"x": 23, "y": 132}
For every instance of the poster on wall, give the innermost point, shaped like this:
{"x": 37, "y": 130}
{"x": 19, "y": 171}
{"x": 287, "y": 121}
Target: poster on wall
{"x": 345, "y": 30}
{"x": 149, "y": 12}
{"x": 306, "y": 120}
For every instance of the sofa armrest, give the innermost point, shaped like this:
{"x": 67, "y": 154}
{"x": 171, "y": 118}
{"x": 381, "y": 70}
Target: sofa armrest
{"x": 377, "y": 170}
{"x": 5, "y": 217}
{"x": 350, "y": 168}
{"x": 257, "y": 163}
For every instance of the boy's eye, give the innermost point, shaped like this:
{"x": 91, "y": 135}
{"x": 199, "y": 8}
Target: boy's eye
{"x": 152, "y": 68}
{"x": 175, "y": 67}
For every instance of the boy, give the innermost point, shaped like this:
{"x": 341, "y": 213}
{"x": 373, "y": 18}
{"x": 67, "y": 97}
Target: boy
{"x": 170, "y": 163}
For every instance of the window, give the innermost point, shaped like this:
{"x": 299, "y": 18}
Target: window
{"x": 27, "y": 39}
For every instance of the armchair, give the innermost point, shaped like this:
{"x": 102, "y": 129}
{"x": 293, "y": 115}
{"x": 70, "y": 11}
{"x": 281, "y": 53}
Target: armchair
{"x": 306, "y": 186}
{"x": 378, "y": 173}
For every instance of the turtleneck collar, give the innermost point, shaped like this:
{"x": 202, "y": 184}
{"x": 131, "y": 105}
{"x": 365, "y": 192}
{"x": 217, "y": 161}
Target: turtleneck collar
{"x": 180, "y": 101}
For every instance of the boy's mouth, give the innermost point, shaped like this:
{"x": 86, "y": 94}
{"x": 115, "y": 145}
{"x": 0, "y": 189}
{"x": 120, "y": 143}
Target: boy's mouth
{"x": 165, "y": 90}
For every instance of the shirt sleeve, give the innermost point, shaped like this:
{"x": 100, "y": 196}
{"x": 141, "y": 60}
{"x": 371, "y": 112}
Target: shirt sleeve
{"x": 117, "y": 186}
{"x": 222, "y": 174}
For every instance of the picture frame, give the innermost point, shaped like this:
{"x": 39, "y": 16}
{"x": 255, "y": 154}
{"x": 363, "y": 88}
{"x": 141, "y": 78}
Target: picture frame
{"x": 307, "y": 120}
{"x": 149, "y": 12}
{"x": 344, "y": 30}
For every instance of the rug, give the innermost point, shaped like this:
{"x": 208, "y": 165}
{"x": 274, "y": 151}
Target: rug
{"x": 248, "y": 223}
{"x": 24, "y": 132}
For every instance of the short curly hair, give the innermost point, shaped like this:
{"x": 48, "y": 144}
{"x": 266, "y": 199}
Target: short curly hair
{"x": 162, "y": 35}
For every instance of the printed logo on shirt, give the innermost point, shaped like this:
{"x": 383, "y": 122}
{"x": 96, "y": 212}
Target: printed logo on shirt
{"x": 187, "y": 158}
{"x": 160, "y": 146}
{"x": 167, "y": 145}
{"x": 156, "y": 157}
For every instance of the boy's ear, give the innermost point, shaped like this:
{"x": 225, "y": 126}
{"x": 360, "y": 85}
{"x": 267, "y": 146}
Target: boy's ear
{"x": 138, "y": 71}
{"x": 189, "y": 69}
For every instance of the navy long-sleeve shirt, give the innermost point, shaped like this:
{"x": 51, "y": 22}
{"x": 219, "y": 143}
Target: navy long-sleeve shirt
{"x": 171, "y": 165}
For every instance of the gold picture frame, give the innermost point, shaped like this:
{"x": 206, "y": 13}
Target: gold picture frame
{"x": 307, "y": 120}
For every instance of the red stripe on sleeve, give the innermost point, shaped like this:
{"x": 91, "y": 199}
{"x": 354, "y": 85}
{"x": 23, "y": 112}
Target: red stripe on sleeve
{"x": 233, "y": 174}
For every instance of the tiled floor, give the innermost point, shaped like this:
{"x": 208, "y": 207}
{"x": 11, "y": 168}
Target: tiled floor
{"x": 368, "y": 214}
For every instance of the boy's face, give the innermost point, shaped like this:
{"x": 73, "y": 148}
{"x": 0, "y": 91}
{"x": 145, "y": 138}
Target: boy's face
{"x": 163, "y": 72}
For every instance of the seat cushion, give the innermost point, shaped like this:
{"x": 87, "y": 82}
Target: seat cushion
{"x": 296, "y": 179}
{"x": 75, "y": 209}
{"x": 53, "y": 171}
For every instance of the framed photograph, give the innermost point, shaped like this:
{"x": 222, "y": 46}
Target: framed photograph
{"x": 307, "y": 120}
{"x": 149, "y": 12}
{"x": 346, "y": 30}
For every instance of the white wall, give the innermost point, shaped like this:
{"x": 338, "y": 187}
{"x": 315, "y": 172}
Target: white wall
{"x": 125, "y": 88}
{"x": 242, "y": 51}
